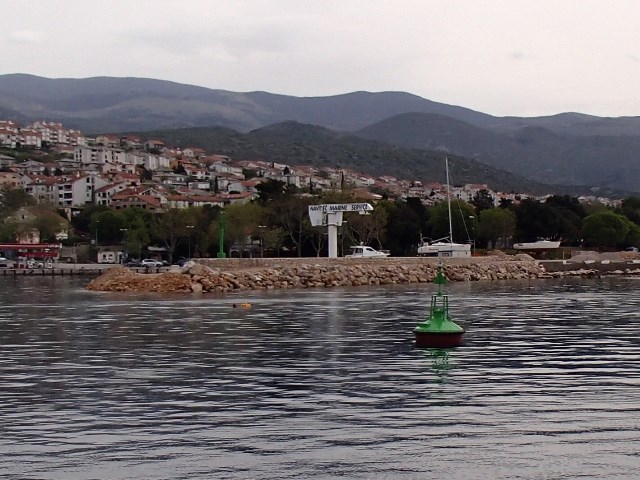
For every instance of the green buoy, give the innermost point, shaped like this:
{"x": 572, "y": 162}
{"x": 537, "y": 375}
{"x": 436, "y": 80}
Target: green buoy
{"x": 439, "y": 331}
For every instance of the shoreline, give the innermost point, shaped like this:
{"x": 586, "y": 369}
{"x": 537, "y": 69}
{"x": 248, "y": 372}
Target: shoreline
{"x": 221, "y": 276}
{"x": 72, "y": 269}
{"x": 343, "y": 271}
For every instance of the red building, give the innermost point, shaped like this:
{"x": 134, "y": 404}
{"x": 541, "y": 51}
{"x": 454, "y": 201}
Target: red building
{"x": 24, "y": 253}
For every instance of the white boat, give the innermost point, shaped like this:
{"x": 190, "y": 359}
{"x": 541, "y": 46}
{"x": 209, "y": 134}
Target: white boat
{"x": 444, "y": 247}
{"x": 537, "y": 245}
{"x": 364, "y": 251}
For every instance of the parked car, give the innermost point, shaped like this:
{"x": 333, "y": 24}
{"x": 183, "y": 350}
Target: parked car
{"x": 181, "y": 261}
{"x": 151, "y": 263}
{"x": 132, "y": 262}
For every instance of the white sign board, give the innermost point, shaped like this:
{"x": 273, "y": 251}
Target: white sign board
{"x": 331, "y": 213}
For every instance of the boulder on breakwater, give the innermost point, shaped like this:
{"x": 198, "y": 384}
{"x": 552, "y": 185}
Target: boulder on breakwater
{"x": 122, "y": 279}
{"x": 227, "y": 275}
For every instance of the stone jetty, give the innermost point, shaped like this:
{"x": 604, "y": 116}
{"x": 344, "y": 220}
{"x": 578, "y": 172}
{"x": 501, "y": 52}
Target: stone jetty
{"x": 231, "y": 274}
{"x": 228, "y": 275}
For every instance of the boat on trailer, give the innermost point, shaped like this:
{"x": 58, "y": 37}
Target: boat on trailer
{"x": 537, "y": 245}
{"x": 443, "y": 248}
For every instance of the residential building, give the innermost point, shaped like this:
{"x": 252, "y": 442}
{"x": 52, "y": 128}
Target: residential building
{"x": 79, "y": 190}
{"x": 186, "y": 200}
{"x": 104, "y": 194}
{"x": 8, "y": 138}
{"x": 51, "y": 132}
{"x": 11, "y": 179}
{"x": 153, "y": 162}
{"x": 128, "y": 200}
{"x": 30, "y": 137}
{"x": 99, "y": 155}
{"x": 7, "y": 161}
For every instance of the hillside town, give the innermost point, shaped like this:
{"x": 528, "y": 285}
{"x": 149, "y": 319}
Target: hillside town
{"x": 122, "y": 171}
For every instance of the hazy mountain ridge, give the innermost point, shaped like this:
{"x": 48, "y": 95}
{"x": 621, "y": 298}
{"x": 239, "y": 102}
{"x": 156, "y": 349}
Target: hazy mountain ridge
{"x": 535, "y": 152}
{"x": 293, "y": 144}
{"x": 118, "y": 102}
{"x": 568, "y": 148}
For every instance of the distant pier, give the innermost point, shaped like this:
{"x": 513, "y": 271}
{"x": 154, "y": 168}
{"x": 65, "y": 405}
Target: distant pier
{"x": 70, "y": 270}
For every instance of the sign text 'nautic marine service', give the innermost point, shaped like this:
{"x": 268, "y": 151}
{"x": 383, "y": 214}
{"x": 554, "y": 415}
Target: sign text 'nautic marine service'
{"x": 330, "y": 215}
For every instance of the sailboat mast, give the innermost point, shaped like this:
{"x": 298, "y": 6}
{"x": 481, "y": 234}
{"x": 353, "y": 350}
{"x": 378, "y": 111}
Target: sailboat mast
{"x": 446, "y": 166}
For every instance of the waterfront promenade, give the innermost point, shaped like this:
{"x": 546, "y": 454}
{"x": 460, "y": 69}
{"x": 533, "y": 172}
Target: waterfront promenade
{"x": 71, "y": 269}
{"x": 553, "y": 267}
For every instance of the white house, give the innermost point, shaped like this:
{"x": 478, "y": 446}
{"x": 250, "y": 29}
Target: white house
{"x": 154, "y": 162}
{"x": 103, "y": 194}
{"x": 79, "y": 190}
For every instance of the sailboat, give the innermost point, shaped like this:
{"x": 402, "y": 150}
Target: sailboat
{"x": 444, "y": 247}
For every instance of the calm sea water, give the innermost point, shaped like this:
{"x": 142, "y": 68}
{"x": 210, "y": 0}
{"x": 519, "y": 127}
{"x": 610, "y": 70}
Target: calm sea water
{"x": 319, "y": 384}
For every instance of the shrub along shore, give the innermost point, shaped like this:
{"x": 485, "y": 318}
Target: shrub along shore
{"x": 228, "y": 275}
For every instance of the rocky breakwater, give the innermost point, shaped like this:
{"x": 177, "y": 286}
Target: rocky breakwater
{"x": 227, "y": 275}
{"x": 588, "y": 263}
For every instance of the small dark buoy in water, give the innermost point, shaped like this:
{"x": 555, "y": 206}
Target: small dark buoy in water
{"x": 242, "y": 305}
{"x": 439, "y": 331}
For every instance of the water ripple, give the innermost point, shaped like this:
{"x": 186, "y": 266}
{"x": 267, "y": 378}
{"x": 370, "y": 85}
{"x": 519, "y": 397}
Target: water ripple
{"x": 319, "y": 384}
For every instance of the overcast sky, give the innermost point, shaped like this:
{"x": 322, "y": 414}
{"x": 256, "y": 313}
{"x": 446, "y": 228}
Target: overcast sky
{"x": 511, "y": 57}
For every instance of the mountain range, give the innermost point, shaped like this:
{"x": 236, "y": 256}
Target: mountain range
{"x": 573, "y": 151}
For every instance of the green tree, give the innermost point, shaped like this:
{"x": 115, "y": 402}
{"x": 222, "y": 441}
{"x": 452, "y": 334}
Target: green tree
{"x": 243, "y": 223}
{"x": 169, "y": 227}
{"x": 483, "y": 200}
{"x": 569, "y": 212}
{"x": 405, "y": 225}
{"x": 496, "y": 226}
{"x": 202, "y": 239}
{"x": 505, "y": 203}
{"x": 291, "y": 214}
{"x": 197, "y": 239}
{"x": 9, "y": 230}
{"x": 319, "y": 238}
{"x": 631, "y": 209}
{"x": 82, "y": 222}
{"x": 461, "y": 213}
{"x": 567, "y": 203}
{"x": 106, "y": 225}
{"x": 11, "y": 199}
{"x": 370, "y": 227}
{"x": 137, "y": 235}
{"x": 249, "y": 173}
{"x": 145, "y": 175}
{"x": 48, "y": 222}
{"x": 633, "y": 237}
{"x": 273, "y": 239}
{"x": 417, "y": 211}
{"x": 536, "y": 220}
{"x": 43, "y": 219}
{"x": 274, "y": 191}
{"x": 605, "y": 229}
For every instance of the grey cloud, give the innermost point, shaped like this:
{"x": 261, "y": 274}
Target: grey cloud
{"x": 517, "y": 55}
